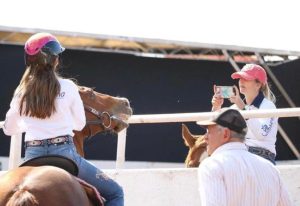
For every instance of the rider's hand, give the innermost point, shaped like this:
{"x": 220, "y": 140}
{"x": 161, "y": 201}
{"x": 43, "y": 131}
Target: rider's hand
{"x": 236, "y": 98}
{"x": 217, "y": 101}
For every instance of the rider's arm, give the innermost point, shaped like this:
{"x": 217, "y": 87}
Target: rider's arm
{"x": 77, "y": 109}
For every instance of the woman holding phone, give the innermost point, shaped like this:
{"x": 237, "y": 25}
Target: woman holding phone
{"x": 261, "y": 135}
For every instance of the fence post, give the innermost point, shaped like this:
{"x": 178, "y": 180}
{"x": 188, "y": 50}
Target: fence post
{"x": 15, "y": 151}
{"x": 121, "y": 149}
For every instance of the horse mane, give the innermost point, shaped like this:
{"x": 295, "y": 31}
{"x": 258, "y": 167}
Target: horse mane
{"x": 22, "y": 197}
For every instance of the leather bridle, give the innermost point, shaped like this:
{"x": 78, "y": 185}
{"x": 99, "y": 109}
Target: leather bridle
{"x": 100, "y": 119}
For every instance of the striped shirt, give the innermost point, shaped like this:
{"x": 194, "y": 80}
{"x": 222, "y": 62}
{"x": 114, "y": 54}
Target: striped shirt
{"x": 233, "y": 176}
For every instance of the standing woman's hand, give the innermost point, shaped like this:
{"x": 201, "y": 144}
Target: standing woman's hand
{"x": 236, "y": 99}
{"x": 217, "y": 101}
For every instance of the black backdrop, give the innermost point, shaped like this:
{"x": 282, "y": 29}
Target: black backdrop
{"x": 153, "y": 86}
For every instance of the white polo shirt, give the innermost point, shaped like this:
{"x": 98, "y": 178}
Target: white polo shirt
{"x": 262, "y": 132}
{"x": 232, "y": 176}
{"x": 69, "y": 116}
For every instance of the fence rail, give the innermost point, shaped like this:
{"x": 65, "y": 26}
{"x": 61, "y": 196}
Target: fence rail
{"x": 15, "y": 147}
{"x": 194, "y": 117}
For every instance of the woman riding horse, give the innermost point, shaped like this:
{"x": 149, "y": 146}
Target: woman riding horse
{"x": 48, "y": 108}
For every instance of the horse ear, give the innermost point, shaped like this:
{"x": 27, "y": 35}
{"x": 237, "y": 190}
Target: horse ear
{"x": 189, "y": 139}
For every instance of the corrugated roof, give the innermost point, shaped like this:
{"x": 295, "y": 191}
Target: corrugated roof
{"x": 190, "y": 29}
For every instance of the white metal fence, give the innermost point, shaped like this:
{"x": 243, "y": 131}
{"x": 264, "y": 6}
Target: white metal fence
{"x": 15, "y": 146}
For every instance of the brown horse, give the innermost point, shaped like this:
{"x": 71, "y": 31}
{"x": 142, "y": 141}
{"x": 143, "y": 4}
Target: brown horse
{"x": 45, "y": 185}
{"x": 52, "y": 186}
{"x": 196, "y": 145}
{"x": 103, "y": 113}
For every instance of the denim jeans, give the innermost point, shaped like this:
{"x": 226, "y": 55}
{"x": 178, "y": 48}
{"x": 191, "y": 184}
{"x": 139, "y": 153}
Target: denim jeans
{"x": 108, "y": 188}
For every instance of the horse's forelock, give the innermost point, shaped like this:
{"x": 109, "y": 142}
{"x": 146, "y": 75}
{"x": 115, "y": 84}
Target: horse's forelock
{"x": 200, "y": 142}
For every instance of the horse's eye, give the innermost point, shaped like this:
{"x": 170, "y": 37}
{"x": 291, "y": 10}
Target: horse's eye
{"x": 93, "y": 95}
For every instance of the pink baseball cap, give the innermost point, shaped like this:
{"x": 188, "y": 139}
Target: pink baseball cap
{"x": 251, "y": 72}
{"x": 37, "y": 41}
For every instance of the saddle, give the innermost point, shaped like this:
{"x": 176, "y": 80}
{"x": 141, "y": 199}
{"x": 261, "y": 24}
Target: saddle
{"x": 53, "y": 160}
{"x": 71, "y": 167}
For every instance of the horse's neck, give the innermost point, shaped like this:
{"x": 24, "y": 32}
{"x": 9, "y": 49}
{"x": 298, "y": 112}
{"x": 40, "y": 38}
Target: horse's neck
{"x": 79, "y": 138}
{"x": 78, "y": 142}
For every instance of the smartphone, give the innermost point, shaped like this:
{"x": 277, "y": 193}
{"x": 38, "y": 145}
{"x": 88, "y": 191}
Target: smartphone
{"x": 225, "y": 91}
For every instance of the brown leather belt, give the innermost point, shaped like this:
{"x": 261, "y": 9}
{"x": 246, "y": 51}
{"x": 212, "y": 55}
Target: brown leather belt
{"x": 51, "y": 141}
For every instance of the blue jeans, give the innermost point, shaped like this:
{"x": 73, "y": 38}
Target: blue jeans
{"x": 108, "y": 188}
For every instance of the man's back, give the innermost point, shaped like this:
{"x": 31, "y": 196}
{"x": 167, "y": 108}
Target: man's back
{"x": 233, "y": 176}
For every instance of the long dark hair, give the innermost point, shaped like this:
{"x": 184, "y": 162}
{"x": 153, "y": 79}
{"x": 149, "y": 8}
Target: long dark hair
{"x": 39, "y": 88}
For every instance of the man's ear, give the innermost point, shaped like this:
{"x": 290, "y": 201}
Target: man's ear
{"x": 227, "y": 134}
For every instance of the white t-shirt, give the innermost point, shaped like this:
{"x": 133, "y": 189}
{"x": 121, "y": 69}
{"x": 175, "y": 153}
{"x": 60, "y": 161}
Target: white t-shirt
{"x": 69, "y": 116}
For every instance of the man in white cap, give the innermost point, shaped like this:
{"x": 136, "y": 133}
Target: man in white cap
{"x": 233, "y": 176}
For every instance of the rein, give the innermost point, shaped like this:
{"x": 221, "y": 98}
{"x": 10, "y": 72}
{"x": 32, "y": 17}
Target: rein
{"x": 100, "y": 117}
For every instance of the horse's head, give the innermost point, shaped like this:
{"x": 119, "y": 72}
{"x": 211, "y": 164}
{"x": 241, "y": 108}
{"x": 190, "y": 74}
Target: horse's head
{"x": 103, "y": 113}
{"x": 197, "y": 147}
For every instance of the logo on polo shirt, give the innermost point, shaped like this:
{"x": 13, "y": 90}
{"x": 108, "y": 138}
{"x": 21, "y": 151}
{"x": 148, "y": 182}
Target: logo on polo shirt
{"x": 61, "y": 95}
{"x": 267, "y": 128}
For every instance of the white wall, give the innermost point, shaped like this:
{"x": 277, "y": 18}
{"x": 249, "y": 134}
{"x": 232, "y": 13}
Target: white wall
{"x": 155, "y": 187}
{"x": 172, "y": 187}
{"x": 105, "y": 164}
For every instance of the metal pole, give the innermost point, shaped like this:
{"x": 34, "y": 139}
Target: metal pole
{"x": 275, "y": 80}
{"x": 289, "y": 142}
{"x": 231, "y": 60}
